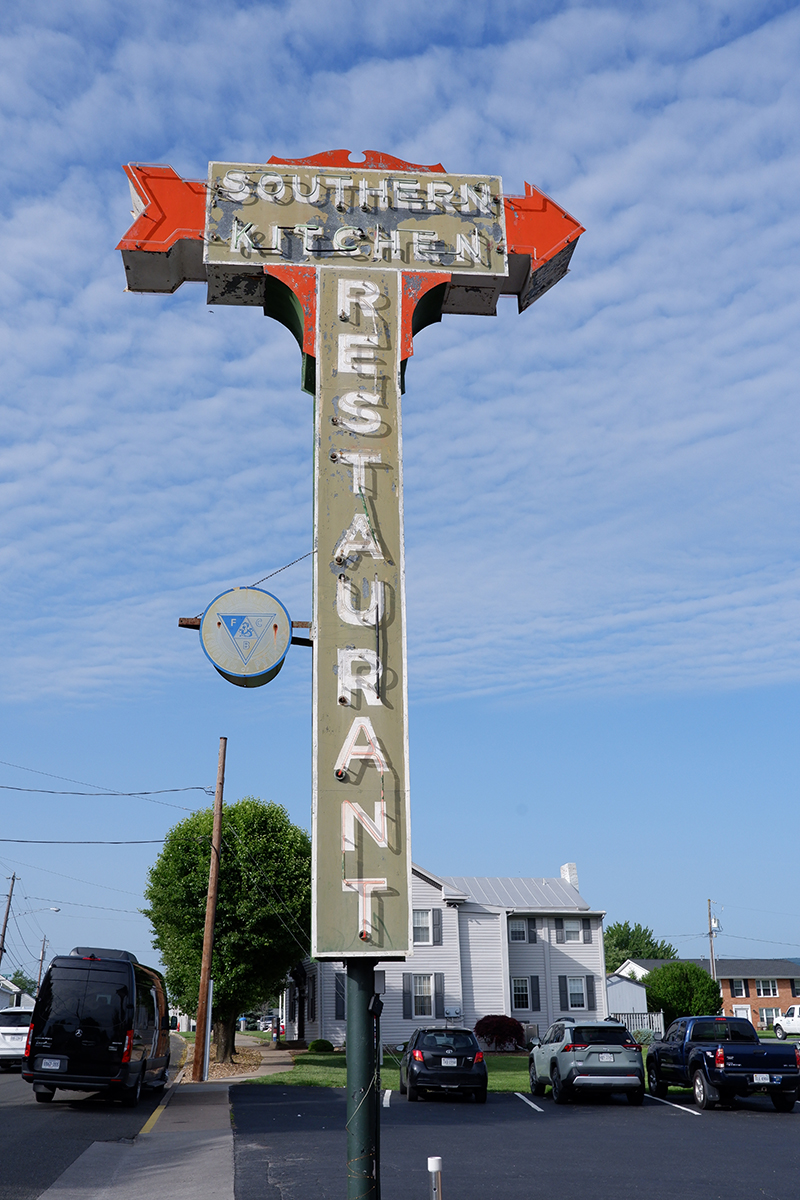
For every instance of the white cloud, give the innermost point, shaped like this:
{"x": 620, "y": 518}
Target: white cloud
{"x": 600, "y": 493}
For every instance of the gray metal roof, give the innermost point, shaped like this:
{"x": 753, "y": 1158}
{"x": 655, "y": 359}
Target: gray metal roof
{"x": 734, "y": 968}
{"x": 520, "y": 894}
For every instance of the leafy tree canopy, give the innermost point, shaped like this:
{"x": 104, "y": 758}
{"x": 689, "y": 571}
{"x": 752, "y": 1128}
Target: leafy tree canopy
{"x": 263, "y": 909}
{"x": 681, "y": 989}
{"x": 622, "y": 940}
{"x": 21, "y": 980}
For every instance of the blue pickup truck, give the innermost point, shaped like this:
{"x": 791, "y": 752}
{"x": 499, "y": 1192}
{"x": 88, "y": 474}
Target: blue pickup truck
{"x": 722, "y": 1057}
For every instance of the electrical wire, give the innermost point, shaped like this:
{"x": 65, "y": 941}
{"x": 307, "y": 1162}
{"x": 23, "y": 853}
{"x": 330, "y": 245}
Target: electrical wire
{"x": 91, "y": 883}
{"x": 303, "y": 947}
{"x": 98, "y": 790}
{"x": 80, "y": 904}
{"x": 51, "y": 842}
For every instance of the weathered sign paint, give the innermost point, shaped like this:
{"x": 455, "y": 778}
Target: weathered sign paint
{"x": 245, "y": 632}
{"x": 416, "y": 220}
{"x": 360, "y": 822}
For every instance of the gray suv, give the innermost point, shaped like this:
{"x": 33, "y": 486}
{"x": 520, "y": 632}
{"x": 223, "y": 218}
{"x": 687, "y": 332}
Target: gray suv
{"x": 590, "y": 1056}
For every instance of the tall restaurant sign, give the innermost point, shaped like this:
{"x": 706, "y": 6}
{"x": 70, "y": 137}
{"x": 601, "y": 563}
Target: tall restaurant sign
{"x": 354, "y": 259}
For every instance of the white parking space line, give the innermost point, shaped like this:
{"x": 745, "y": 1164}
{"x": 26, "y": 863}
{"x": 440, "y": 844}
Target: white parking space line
{"x": 387, "y": 1095}
{"x": 525, "y": 1100}
{"x": 691, "y": 1111}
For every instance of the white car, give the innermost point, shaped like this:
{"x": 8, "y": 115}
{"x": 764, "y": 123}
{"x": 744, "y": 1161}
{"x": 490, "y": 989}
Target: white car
{"x": 788, "y": 1023}
{"x": 14, "y": 1025}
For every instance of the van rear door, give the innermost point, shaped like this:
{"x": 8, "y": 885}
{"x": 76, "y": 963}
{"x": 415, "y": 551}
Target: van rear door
{"x": 82, "y": 1014}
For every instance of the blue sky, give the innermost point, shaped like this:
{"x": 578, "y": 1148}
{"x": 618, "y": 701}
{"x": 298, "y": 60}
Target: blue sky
{"x": 601, "y": 494}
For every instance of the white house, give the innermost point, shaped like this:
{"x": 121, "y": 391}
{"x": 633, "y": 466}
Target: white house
{"x": 12, "y": 996}
{"x": 528, "y": 948}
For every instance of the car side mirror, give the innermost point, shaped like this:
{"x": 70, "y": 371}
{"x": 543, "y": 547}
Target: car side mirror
{"x": 400, "y": 1048}
{"x": 658, "y": 1037}
{"x": 534, "y": 1043}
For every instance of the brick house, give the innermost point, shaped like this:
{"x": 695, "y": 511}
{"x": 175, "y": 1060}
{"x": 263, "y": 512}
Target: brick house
{"x": 758, "y": 989}
{"x": 529, "y": 948}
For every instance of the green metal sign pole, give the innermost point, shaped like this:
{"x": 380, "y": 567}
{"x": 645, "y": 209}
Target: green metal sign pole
{"x": 363, "y": 1099}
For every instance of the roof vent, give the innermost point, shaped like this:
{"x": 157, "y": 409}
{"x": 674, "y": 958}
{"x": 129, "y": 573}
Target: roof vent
{"x": 569, "y": 873}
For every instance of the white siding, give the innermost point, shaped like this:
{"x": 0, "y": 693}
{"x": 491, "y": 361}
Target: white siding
{"x": 576, "y": 958}
{"x": 481, "y": 962}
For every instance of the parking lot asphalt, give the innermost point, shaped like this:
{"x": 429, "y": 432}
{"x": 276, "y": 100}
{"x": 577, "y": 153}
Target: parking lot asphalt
{"x": 289, "y": 1143}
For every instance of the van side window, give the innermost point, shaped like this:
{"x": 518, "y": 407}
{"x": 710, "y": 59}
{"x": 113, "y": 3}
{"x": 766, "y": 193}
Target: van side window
{"x": 145, "y": 1007}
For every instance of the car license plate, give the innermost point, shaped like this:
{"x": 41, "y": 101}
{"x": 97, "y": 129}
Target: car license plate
{"x": 606, "y": 1057}
{"x": 761, "y": 1079}
{"x": 449, "y": 1062}
{"x": 51, "y": 1064}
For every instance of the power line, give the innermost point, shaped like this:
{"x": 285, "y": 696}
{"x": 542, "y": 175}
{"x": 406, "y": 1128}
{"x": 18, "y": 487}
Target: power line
{"x": 91, "y": 883}
{"x": 51, "y": 842}
{"x": 11, "y": 787}
{"x": 80, "y": 904}
{"x": 98, "y": 789}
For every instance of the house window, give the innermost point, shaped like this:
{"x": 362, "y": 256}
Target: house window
{"x": 517, "y": 929}
{"x": 422, "y": 996}
{"x": 767, "y": 1015}
{"x": 766, "y": 987}
{"x": 572, "y": 930}
{"x": 737, "y": 987}
{"x": 520, "y": 994}
{"x": 422, "y": 927}
{"x": 577, "y": 994}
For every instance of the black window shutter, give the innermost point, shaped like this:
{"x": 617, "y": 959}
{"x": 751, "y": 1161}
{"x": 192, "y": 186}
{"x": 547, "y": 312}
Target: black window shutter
{"x": 531, "y": 929}
{"x": 408, "y": 1009}
{"x": 746, "y": 988}
{"x": 563, "y": 997}
{"x": 560, "y": 931}
{"x": 590, "y": 1001}
{"x": 730, "y": 984}
{"x": 380, "y": 982}
{"x": 438, "y": 995}
{"x": 436, "y": 913}
{"x": 535, "y": 1001}
{"x": 312, "y": 998}
{"x": 587, "y": 930}
{"x": 339, "y": 981}
{"x": 793, "y": 986}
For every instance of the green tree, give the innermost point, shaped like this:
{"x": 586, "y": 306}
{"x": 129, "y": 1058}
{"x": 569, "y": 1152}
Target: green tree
{"x": 263, "y": 909}
{"x": 681, "y": 989}
{"x": 21, "y": 980}
{"x": 621, "y": 941}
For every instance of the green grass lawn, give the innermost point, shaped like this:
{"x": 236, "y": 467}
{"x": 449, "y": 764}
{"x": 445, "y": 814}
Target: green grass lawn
{"x": 507, "y": 1072}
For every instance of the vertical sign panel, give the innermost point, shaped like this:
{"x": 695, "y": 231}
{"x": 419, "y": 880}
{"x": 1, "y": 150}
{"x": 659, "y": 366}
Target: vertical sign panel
{"x": 361, "y": 837}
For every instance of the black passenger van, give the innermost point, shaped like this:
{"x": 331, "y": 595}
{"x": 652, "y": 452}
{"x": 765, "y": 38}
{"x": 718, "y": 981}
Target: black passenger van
{"x": 101, "y": 1023}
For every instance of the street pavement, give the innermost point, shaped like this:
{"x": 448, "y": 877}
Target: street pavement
{"x": 290, "y": 1145}
{"x": 222, "y": 1141}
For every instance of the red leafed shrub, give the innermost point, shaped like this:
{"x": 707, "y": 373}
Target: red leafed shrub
{"x": 500, "y": 1031}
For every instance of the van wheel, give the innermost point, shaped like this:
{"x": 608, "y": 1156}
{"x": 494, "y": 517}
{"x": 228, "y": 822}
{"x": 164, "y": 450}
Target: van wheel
{"x": 44, "y": 1097}
{"x": 132, "y": 1095}
{"x": 780, "y": 1033}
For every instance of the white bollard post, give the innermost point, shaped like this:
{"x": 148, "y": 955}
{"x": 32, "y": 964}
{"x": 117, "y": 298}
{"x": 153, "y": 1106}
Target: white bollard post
{"x": 435, "y": 1173}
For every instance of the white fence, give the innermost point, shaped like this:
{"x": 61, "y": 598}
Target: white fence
{"x": 651, "y": 1021}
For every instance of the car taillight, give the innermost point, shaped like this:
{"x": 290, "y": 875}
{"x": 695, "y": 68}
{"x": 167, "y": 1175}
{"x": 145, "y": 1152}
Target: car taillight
{"x": 719, "y": 1057}
{"x": 632, "y": 1046}
{"x": 479, "y": 1056}
{"x": 30, "y": 1039}
{"x": 796, "y": 1053}
{"x": 575, "y": 1046}
{"x": 417, "y": 1054}
{"x": 126, "y": 1051}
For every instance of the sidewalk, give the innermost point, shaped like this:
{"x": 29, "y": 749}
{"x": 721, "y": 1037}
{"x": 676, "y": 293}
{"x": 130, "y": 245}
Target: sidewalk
{"x": 183, "y": 1152}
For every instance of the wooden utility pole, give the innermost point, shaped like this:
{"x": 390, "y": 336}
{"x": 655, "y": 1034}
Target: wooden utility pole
{"x": 5, "y": 918}
{"x": 211, "y": 912}
{"x": 711, "y": 943}
{"x": 41, "y": 964}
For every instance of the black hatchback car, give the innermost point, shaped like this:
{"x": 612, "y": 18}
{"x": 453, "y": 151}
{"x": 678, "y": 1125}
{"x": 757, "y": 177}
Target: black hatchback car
{"x": 443, "y": 1060}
